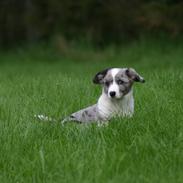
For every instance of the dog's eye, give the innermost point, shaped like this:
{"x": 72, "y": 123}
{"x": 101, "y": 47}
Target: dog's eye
{"x": 107, "y": 83}
{"x": 120, "y": 82}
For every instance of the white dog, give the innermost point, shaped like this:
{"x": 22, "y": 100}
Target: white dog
{"x": 116, "y": 98}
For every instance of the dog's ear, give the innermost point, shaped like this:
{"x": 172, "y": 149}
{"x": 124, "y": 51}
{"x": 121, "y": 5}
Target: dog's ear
{"x": 132, "y": 74}
{"x": 98, "y": 78}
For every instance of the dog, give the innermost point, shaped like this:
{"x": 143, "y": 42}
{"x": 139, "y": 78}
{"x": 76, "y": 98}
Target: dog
{"x": 116, "y": 99}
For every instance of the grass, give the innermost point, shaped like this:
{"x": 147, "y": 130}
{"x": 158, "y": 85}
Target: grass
{"x": 146, "y": 148}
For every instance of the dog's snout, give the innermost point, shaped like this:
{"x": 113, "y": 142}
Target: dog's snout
{"x": 112, "y": 93}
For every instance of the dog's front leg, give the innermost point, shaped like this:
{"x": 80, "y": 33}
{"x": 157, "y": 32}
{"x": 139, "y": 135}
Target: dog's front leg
{"x": 102, "y": 123}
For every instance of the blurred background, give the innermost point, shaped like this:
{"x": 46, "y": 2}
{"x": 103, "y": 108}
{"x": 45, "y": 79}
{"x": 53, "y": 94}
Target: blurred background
{"x": 50, "y": 50}
{"x": 100, "y": 22}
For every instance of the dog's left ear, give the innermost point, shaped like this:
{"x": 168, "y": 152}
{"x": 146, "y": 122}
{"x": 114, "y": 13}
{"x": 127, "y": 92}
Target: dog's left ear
{"x": 132, "y": 74}
{"x": 98, "y": 78}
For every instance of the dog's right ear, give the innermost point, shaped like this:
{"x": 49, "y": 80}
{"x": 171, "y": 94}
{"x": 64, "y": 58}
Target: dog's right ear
{"x": 98, "y": 79}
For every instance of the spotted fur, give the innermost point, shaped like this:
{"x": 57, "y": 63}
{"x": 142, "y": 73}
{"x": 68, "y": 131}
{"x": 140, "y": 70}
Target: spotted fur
{"x": 116, "y": 98}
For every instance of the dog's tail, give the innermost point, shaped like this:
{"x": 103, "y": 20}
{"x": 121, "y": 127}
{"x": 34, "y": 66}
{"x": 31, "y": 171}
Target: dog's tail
{"x": 44, "y": 118}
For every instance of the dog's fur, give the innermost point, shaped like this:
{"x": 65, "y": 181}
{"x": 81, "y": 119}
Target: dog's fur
{"x": 116, "y": 98}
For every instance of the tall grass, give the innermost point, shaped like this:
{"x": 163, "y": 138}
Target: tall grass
{"x": 145, "y": 148}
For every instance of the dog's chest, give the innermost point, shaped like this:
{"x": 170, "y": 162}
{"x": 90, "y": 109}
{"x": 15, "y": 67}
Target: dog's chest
{"x": 110, "y": 108}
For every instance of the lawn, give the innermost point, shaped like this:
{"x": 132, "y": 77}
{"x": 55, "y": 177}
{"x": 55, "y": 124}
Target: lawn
{"x": 42, "y": 80}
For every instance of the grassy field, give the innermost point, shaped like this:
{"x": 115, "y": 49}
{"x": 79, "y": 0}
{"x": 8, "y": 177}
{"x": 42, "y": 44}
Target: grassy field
{"x": 146, "y": 148}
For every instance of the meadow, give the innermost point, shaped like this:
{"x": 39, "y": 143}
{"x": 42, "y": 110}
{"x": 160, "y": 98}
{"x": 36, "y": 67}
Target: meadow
{"x": 146, "y": 148}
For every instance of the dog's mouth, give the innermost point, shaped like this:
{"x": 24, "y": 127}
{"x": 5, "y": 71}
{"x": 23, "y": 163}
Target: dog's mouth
{"x": 115, "y": 97}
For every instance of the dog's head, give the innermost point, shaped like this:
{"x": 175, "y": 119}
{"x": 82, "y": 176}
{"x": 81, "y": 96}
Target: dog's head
{"x": 117, "y": 82}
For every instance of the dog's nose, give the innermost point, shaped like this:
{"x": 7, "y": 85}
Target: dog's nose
{"x": 112, "y": 94}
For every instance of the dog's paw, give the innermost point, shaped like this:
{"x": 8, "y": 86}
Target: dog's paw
{"x": 102, "y": 124}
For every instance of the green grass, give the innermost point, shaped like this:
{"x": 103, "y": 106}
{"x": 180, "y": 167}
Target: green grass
{"x": 145, "y": 148}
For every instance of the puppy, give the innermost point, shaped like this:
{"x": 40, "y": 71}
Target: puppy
{"x": 116, "y": 99}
